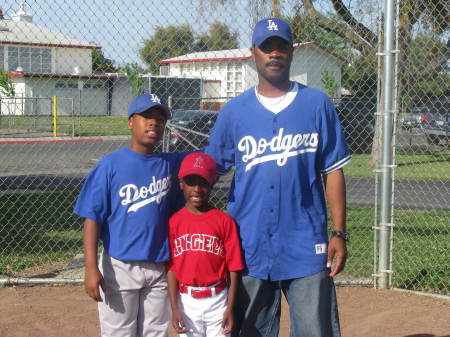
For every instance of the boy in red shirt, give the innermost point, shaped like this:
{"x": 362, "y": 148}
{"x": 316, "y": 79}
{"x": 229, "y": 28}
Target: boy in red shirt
{"x": 205, "y": 252}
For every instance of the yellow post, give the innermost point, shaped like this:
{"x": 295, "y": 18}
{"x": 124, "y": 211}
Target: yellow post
{"x": 276, "y": 8}
{"x": 54, "y": 115}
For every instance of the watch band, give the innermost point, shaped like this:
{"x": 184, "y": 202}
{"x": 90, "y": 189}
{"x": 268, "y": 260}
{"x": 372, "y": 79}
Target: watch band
{"x": 341, "y": 234}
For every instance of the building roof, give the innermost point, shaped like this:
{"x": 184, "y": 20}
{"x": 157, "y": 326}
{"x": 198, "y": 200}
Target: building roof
{"x": 21, "y": 31}
{"x": 60, "y": 76}
{"x": 235, "y": 54}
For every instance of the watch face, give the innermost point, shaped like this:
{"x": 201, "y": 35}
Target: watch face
{"x": 340, "y": 234}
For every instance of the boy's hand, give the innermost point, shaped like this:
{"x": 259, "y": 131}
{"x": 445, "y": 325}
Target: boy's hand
{"x": 228, "y": 321}
{"x": 177, "y": 322}
{"x": 92, "y": 280}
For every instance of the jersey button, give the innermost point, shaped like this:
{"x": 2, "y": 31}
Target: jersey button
{"x": 271, "y": 210}
{"x": 272, "y": 187}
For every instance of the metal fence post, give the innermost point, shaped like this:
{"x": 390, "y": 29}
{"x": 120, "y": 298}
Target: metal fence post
{"x": 385, "y": 224}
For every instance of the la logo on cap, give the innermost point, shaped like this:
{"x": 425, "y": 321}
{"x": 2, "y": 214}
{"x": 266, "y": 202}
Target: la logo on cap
{"x": 198, "y": 162}
{"x": 155, "y": 99}
{"x": 272, "y": 25}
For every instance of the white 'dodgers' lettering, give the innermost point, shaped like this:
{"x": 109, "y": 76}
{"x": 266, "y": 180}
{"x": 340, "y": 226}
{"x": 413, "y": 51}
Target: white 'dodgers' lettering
{"x": 154, "y": 192}
{"x": 286, "y": 145}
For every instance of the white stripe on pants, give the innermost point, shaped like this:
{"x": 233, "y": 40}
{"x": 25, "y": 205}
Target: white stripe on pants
{"x": 136, "y": 302}
{"x": 203, "y": 316}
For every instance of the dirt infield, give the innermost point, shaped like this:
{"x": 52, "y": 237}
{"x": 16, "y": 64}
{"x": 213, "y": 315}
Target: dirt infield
{"x": 65, "y": 311}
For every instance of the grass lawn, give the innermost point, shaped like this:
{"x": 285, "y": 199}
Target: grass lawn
{"x": 421, "y": 166}
{"x": 82, "y": 127}
{"x": 420, "y": 248}
{"x": 38, "y": 229}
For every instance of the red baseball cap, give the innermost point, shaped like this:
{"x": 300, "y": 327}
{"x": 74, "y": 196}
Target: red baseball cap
{"x": 200, "y": 164}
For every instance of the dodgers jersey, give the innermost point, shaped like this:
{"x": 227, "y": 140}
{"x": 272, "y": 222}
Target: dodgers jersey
{"x": 277, "y": 195}
{"x": 131, "y": 195}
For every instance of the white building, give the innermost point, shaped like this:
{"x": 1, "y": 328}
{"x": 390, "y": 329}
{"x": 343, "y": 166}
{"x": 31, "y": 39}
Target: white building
{"x": 44, "y": 63}
{"x": 227, "y": 73}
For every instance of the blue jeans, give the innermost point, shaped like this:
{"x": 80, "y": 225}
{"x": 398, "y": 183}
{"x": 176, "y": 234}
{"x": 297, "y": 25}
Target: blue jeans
{"x": 312, "y": 307}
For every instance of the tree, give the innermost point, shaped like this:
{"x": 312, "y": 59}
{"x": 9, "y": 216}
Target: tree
{"x": 6, "y": 84}
{"x": 358, "y": 74}
{"x": 173, "y": 41}
{"x": 134, "y": 79}
{"x": 329, "y": 83}
{"x": 218, "y": 37}
{"x": 100, "y": 62}
{"x": 167, "y": 42}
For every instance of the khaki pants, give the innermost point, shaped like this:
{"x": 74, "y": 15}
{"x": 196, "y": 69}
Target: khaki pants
{"x": 136, "y": 302}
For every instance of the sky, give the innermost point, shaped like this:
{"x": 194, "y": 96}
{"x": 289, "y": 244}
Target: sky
{"x": 121, "y": 26}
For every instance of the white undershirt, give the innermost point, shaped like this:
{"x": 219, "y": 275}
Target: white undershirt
{"x": 278, "y": 104}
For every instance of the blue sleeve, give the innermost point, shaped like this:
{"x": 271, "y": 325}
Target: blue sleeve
{"x": 177, "y": 198}
{"x": 221, "y": 145}
{"x": 94, "y": 201}
{"x": 334, "y": 150}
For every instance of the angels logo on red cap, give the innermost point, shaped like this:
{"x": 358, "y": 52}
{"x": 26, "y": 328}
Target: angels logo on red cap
{"x": 198, "y": 162}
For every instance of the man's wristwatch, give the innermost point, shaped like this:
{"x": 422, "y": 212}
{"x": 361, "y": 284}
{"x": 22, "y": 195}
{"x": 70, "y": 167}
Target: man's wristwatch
{"x": 340, "y": 234}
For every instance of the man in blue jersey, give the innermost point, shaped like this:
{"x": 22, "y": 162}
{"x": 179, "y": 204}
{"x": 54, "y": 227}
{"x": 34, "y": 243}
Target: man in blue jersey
{"x": 287, "y": 146}
{"x": 126, "y": 202}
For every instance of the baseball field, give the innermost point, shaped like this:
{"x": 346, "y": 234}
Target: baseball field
{"x": 65, "y": 311}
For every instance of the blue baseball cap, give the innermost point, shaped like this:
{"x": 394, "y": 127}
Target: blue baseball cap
{"x": 271, "y": 27}
{"x": 144, "y": 102}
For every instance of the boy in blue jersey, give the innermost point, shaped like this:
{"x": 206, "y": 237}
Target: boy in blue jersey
{"x": 287, "y": 146}
{"x": 126, "y": 202}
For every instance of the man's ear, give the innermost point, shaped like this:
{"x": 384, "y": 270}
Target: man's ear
{"x": 130, "y": 123}
{"x": 181, "y": 184}
{"x": 252, "y": 50}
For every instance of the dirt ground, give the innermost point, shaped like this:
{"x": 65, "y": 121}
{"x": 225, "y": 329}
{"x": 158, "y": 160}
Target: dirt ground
{"x": 65, "y": 311}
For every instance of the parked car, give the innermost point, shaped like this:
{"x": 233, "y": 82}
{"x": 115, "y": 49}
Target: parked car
{"x": 357, "y": 119}
{"x": 436, "y": 127}
{"x": 414, "y": 118}
{"x": 190, "y": 129}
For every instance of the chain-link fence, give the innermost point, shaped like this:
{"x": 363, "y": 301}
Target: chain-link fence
{"x": 95, "y": 56}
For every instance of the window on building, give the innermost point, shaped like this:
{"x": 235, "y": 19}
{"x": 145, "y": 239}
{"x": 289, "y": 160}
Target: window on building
{"x": 164, "y": 70}
{"x": 2, "y": 57}
{"x": 25, "y": 59}
{"x": 13, "y": 58}
{"x": 35, "y": 60}
{"x": 234, "y": 79}
{"x": 60, "y": 85}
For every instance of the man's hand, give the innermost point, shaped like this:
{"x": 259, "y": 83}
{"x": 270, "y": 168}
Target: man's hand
{"x": 336, "y": 248}
{"x": 92, "y": 281}
{"x": 228, "y": 321}
{"x": 177, "y": 322}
